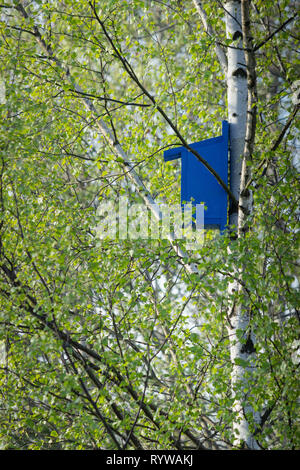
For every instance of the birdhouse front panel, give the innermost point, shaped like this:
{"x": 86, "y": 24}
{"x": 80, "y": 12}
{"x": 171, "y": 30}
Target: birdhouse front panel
{"x": 198, "y": 184}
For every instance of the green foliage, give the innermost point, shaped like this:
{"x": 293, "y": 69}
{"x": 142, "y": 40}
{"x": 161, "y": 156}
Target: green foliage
{"x": 107, "y": 342}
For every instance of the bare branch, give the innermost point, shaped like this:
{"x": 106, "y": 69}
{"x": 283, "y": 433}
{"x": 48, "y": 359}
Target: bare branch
{"x": 262, "y": 43}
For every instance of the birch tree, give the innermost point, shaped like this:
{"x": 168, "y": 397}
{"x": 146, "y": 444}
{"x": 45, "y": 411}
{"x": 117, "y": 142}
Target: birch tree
{"x": 133, "y": 343}
{"x": 242, "y": 115}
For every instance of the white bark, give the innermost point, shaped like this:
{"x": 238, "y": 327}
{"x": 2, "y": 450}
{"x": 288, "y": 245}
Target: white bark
{"x": 240, "y": 350}
{"x": 236, "y": 97}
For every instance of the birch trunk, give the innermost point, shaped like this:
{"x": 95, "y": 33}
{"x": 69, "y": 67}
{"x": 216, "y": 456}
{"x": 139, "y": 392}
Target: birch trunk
{"x": 241, "y": 339}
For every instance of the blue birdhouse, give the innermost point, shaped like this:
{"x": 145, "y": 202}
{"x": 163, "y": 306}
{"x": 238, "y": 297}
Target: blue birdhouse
{"x": 198, "y": 184}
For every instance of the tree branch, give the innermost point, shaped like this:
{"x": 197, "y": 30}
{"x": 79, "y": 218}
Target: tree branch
{"x": 134, "y": 77}
{"x": 218, "y": 48}
{"x": 277, "y": 142}
{"x": 108, "y": 428}
{"x": 262, "y": 43}
{"x": 102, "y": 98}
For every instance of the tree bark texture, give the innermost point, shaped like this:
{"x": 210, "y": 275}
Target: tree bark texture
{"x": 240, "y": 96}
